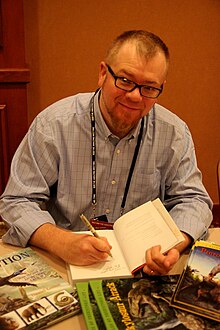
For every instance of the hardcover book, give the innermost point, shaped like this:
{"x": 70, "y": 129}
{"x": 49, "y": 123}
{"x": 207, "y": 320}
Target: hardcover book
{"x": 136, "y": 304}
{"x": 133, "y": 233}
{"x": 198, "y": 289}
{"x": 33, "y": 295}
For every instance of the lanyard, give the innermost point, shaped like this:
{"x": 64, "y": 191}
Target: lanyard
{"x": 93, "y": 133}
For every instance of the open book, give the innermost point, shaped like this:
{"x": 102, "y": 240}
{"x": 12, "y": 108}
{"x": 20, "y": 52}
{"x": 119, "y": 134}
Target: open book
{"x": 133, "y": 233}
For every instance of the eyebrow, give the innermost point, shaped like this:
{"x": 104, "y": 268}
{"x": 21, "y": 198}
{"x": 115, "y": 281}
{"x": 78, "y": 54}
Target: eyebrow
{"x": 124, "y": 72}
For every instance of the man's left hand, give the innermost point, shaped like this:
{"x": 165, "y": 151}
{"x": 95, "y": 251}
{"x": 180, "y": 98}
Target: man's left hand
{"x": 160, "y": 264}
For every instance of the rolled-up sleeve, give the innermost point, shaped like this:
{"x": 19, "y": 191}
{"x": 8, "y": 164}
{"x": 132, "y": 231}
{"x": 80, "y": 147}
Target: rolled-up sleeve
{"x": 34, "y": 169}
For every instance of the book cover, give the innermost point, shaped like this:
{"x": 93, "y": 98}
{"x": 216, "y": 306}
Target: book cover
{"x": 32, "y": 294}
{"x": 91, "y": 313}
{"x": 136, "y": 303}
{"x": 198, "y": 289}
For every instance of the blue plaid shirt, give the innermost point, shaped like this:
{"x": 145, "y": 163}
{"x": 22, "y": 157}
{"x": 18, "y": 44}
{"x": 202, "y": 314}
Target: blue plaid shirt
{"x": 53, "y": 165}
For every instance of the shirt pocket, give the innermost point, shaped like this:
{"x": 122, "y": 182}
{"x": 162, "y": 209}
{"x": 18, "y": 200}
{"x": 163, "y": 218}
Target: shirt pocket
{"x": 145, "y": 187}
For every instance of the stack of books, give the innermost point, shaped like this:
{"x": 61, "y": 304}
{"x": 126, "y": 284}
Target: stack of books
{"x": 187, "y": 301}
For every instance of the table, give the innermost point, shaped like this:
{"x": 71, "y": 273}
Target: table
{"x": 77, "y": 322}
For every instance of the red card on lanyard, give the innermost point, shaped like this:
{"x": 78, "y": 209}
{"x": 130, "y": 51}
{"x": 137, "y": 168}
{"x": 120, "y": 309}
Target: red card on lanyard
{"x": 97, "y": 224}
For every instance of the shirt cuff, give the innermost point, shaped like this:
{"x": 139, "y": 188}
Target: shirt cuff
{"x": 22, "y": 229}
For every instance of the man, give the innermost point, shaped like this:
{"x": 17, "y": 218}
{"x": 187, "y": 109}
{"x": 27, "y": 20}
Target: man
{"x": 78, "y": 154}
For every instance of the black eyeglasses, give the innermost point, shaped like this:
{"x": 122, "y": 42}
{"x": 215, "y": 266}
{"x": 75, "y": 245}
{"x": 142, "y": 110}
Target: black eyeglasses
{"x": 128, "y": 86}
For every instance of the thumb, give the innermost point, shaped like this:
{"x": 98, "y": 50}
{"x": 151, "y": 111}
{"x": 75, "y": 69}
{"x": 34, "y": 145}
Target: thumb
{"x": 171, "y": 258}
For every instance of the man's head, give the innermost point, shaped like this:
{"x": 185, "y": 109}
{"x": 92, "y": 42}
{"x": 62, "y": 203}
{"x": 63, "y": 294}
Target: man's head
{"x": 131, "y": 78}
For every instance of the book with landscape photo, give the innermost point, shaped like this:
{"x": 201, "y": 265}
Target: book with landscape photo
{"x": 133, "y": 233}
{"x": 136, "y": 304}
{"x": 33, "y": 295}
{"x": 198, "y": 289}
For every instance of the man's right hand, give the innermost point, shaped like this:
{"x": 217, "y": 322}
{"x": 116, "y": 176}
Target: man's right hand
{"x": 76, "y": 249}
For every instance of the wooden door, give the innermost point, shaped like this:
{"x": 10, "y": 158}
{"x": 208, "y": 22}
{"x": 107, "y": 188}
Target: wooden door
{"x": 14, "y": 76}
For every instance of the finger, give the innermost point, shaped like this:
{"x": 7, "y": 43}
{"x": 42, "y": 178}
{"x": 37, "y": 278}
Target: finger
{"x": 168, "y": 261}
{"x": 93, "y": 249}
{"x": 107, "y": 242}
{"x": 156, "y": 271}
{"x": 94, "y": 256}
{"x": 171, "y": 258}
{"x": 150, "y": 271}
{"x": 156, "y": 255}
{"x": 102, "y": 244}
{"x": 154, "y": 258}
{"x": 158, "y": 263}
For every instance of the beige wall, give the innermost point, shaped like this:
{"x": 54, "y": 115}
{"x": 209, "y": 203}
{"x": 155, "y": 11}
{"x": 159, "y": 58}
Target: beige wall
{"x": 66, "y": 40}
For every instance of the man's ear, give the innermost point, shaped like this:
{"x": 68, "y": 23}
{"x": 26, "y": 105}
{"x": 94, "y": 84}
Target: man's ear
{"x": 102, "y": 74}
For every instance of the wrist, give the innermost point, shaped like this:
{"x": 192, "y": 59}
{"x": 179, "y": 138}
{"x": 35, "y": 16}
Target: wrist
{"x": 185, "y": 244}
{"x": 48, "y": 237}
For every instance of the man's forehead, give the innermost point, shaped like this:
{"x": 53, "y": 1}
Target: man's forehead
{"x": 136, "y": 65}
{"x": 131, "y": 50}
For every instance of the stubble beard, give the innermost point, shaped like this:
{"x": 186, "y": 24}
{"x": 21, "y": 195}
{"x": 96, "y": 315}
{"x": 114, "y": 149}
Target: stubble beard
{"x": 116, "y": 123}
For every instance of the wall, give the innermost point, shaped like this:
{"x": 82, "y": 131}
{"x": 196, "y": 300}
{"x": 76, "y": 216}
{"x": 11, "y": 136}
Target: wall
{"x": 66, "y": 40}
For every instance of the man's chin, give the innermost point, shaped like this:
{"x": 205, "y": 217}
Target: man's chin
{"x": 126, "y": 124}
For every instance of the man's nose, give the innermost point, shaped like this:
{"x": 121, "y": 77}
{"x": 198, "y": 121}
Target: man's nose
{"x": 135, "y": 95}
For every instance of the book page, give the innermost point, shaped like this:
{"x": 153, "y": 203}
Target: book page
{"x": 142, "y": 228}
{"x": 168, "y": 219}
{"x": 114, "y": 266}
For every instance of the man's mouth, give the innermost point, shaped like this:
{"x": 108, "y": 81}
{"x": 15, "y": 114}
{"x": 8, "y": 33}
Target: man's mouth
{"x": 129, "y": 107}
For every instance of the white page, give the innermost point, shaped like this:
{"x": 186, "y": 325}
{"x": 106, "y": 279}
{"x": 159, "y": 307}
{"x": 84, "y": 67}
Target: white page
{"x": 141, "y": 229}
{"x": 168, "y": 219}
{"x": 112, "y": 267}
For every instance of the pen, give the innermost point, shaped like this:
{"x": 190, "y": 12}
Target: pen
{"x": 91, "y": 228}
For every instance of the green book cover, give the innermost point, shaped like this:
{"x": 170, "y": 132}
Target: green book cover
{"x": 32, "y": 294}
{"x": 142, "y": 304}
{"x": 89, "y": 307}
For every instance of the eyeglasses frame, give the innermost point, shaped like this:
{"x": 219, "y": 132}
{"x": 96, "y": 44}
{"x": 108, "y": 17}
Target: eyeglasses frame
{"x": 135, "y": 84}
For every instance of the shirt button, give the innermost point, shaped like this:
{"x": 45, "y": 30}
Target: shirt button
{"x": 107, "y": 211}
{"x": 113, "y": 182}
{"x": 118, "y": 151}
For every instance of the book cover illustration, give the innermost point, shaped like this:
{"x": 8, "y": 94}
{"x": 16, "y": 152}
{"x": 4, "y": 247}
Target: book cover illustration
{"x": 137, "y": 304}
{"x": 32, "y": 294}
{"x": 198, "y": 289}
